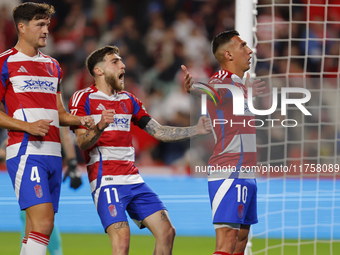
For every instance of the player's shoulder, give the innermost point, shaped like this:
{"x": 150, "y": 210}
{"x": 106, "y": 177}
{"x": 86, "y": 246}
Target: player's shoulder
{"x": 4, "y": 55}
{"x": 124, "y": 92}
{"x": 126, "y": 95}
{"x": 81, "y": 95}
{"x": 49, "y": 57}
{"x": 220, "y": 76}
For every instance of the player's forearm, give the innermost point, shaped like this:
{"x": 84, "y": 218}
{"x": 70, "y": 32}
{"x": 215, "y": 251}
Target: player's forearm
{"x": 170, "y": 134}
{"x": 66, "y": 119}
{"x": 86, "y": 140}
{"x": 67, "y": 143}
{"x": 7, "y": 122}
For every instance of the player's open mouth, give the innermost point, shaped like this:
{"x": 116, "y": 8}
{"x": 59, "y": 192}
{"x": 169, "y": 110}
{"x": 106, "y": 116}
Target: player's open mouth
{"x": 121, "y": 76}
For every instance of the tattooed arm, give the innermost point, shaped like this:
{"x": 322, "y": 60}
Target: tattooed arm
{"x": 175, "y": 134}
{"x": 88, "y": 138}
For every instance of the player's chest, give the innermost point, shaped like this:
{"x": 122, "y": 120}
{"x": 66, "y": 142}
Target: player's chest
{"x": 120, "y": 107}
{"x": 30, "y": 76}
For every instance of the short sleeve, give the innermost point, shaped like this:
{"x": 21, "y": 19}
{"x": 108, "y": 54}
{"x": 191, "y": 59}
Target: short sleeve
{"x": 140, "y": 117}
{"x": 77, "y": 106}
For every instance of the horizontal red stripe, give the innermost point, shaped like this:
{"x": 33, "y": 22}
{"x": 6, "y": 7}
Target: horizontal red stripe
{"x": 231, "y": 159}
{"x": 39, "y": 238}
{"x": 115, "y": 138}
{"x": 37, "y": 100}
{"x": 52, "y": 136}
{"x": 112, "y": 167}
{"x": 36, "y": 69}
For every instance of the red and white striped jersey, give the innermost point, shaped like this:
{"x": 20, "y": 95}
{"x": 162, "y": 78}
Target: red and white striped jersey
{"x": 112, "y": 157}
{"x": 235, "y": 139}
{"x": 28, "y": 91}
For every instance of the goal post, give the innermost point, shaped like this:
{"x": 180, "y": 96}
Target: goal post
{"x": 244, "y": 23}
{"x": 296, "y": 46}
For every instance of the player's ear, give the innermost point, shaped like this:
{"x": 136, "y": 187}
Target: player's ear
{"x": 98, "y": 70}
{"x": 227, "y": 55}
{"x": 21, "y": 27}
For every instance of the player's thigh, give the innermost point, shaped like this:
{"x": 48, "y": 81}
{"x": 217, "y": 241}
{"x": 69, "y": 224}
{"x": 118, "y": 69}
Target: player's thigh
{"x": 145, "y": 202}
{"x": 159, "y": 223}
{"x": 226, "y": 238}
{"x": 36, "y": 179}
{"x": 36, "y": 214}
{"x": 119, "y": 234}
{"x": 244, "y": 232}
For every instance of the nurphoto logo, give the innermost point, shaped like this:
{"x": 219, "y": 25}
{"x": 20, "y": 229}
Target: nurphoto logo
{"x": 242, "y": 106}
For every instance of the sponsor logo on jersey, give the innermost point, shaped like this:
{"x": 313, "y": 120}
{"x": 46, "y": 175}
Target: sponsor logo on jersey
{"x": 101, "y": 107}
{"x": 31, "y": 85}
{"x": 22, "y": 69}
{"x": 240, "y": 211}
{"x": 38, "y": 191}
{"x": 121, "y": 122}
{"x": 113, "y": 210}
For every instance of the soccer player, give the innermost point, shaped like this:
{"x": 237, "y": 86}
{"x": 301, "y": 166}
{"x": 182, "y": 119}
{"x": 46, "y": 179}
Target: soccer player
{"x": 116, "y": 185}
{"x": 232, "y": 191}
{"x": 30, "y": 93}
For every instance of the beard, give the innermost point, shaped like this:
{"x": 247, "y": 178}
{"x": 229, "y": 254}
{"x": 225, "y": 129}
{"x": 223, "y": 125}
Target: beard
{"x": 113, "y": 82}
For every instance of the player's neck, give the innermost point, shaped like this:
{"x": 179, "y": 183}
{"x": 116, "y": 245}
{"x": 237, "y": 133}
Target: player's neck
{"x": 103, "y": 87}
{"x": 26, "y": 49}
{"x": 232, "y": 69}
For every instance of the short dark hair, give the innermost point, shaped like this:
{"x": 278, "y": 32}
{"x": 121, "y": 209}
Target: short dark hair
{"x": 32, "y": 11}
{"x": 99, "y": 55}
{"x": 222, "y": 38}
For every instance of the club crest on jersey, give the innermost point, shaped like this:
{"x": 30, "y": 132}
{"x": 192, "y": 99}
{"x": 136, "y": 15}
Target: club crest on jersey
{"x": 240, "y": 211}
{"x": 123, "y": 106}
{"x": 113, "y": 210}
{"x": 38, "y": 191}
{"x": 49, "y": 69}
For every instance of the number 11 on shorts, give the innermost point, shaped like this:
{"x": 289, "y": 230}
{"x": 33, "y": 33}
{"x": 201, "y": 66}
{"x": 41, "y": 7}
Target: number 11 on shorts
{"x": 242, "y": 192}
{"x": 108, "y": 195}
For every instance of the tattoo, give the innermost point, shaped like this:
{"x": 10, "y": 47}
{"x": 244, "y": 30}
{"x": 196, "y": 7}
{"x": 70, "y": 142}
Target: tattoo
{"x": 86, "y": 140}
{"x": 121, "y": 224}
{"x": 95, "y": 138}
{"x": 151, "y": 128}
{"x": 164, "y": 216}
{"x": 169, "y": 134}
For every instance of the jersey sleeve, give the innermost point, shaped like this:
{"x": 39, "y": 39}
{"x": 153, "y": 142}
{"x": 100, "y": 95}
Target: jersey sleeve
{"x": 60, "y": 74}
{"x": 139, "y": 117}
{"x": 223, "y": 93}
{"x": 77, "y": 106}
{"x": 4, "y": 75}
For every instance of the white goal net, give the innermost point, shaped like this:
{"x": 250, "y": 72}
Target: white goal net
{"x": 297, "y": 46}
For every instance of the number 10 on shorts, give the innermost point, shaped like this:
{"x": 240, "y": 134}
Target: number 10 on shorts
{"x": 242, "y": 193}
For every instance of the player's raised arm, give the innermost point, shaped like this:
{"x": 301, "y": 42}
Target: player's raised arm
{"x": 257, "y": 86}
{"x": 175, "y": 134}
{"x": 198, "y": 88}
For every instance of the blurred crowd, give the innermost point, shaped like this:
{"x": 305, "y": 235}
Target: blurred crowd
{"x": 156, "y": 37}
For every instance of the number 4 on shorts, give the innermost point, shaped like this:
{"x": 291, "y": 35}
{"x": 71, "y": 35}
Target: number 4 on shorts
{"x": 35, "y": 174}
